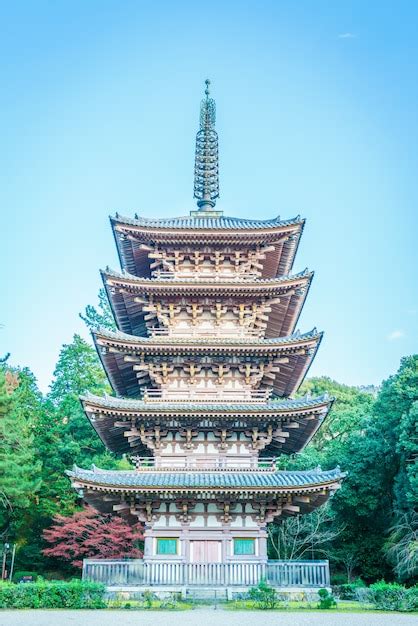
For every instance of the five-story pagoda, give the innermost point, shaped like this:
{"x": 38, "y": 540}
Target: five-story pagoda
{"x": 204, "y": 367}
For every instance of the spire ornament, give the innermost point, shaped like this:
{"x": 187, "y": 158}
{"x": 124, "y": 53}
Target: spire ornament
{"x": 206, "y": 170}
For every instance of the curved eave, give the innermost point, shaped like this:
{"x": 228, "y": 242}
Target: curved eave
{"x": 119, "y": 358}
{"x": 160, "y": 286}
{"x": 130, "y": 407}
{"x": 217, "y": 481}
{"x": 127, "y": 295}
{"x": 203, "y": 224}
{"x": 301, "y": 493}
{"x": 169, "y": 345}
{"x": 111, "y": 421}
{"x": 132, "y": 238}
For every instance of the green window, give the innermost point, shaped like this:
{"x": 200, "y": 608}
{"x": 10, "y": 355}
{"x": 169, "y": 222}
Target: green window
{"x": 244, "y": 546}
{"x": 166, "y": 546}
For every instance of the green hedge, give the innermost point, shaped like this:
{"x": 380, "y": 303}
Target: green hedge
{"x": 393, "y": 597}
{"x": 52, "y": 595}
{"x": 17, "y": 576}
{"x": 348, "y": 591}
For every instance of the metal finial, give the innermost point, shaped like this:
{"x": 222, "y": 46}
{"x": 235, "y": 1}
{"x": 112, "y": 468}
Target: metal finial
{"x": 206, "y": 171}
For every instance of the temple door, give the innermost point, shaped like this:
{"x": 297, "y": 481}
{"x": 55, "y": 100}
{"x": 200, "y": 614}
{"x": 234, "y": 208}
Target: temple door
{"x": 205, "y": 551}
{"x": 213, "y": 551}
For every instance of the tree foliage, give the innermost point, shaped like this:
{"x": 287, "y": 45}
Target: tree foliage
{"x": 20, "y": 470}
{"x": 100, "y": 317}
{"x": 87, "y": 534}
{"x": 302, "y": 537}
{"x": 374, "y": 440}
{"x": 369, "y": 528}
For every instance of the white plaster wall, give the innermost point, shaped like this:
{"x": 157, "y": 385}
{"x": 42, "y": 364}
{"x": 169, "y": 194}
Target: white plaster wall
{"x": 199, "y": 522}
{"x": 250, "y": 523}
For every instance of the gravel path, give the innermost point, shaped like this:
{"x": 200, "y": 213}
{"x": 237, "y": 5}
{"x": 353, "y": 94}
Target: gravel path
{"x": 200, "y": 617}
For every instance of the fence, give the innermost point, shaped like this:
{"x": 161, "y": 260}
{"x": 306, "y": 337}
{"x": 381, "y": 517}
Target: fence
{"x": 136, "y": 572}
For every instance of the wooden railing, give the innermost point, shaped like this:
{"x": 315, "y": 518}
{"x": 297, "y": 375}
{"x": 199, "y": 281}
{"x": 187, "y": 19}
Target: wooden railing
{"x": 143, "y": 463}
{"x": 237, "y": 332}
{"x": 207, "y": 395}
{"x": 211, "y": 276}
{"x": 136, "y": 572}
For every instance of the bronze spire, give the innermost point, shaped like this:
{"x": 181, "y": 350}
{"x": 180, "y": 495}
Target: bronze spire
{"x": 206, "y": 170}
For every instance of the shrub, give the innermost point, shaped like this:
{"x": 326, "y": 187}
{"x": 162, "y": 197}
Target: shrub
{"x": 263, "y": 596}
{"x": 148, "y": 598}
{"x": 326, "y": 599}
{"x": 18, "y": 575}
{"x": 393, "y": 597}
{"x": 348, "y": 591}
{"x": 52, "y": 595}
{"x": 411, "y": 599}
{"x": 169, "y": 603}
{"x": 338, "y": 578}
{"x": 387, "y": 596}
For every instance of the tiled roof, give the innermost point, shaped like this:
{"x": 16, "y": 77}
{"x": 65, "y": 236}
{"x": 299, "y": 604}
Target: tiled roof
{"x": 234, "y": 407}
{"x": 210, "y": 279}
{"x": 181, "y": 341}
{"x": 202, "y": 222}
{"x": 216, "y": 479}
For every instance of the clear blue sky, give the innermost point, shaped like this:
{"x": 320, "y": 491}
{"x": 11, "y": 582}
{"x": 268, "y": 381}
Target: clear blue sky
{"x": 317, "y": 114}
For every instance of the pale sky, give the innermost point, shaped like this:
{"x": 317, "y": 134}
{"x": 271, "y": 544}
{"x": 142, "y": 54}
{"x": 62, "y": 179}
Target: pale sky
{"x": 316, "y": 114}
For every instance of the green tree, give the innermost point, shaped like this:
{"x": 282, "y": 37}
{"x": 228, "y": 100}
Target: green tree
{"x": 351, "y": 407}
{"x": 20, "y": 470}
{"x": 64, "y": 434}
{"x": 64, "y": 437}
{"x": 78, "y": 370}
{"x": 100, "y": 317}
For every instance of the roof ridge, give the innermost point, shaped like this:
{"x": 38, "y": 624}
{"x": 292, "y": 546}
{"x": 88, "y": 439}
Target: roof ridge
{"x": 233, "y": 280}
{"x": 285, "y": 403}
{"x": 117, "y": 334}
{"x": 192, "y": 223}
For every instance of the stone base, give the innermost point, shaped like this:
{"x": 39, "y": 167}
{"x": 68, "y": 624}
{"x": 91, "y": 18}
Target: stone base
{"x": 212, "y": 594}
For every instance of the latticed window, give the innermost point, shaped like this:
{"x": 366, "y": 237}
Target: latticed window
{"x": 244, "y": 546}
{"x": 166, "y": 545}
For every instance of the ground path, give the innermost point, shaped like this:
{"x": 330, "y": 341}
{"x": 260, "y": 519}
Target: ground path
{"x": 200, "y": 617}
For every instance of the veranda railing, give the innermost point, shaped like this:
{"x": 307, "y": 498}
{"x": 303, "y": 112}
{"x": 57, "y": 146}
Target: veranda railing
{"x": 144, "y": 463}
{"x": 136, "y": 572}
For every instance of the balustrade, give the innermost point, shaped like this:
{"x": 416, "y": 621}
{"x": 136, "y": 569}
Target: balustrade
{"x": 143, "y": 463}
{"x": 136, "y": 572}
{"x": 237, "y": 332}
{"x": 212, "y": 276}
{"x": 207, "y": 395}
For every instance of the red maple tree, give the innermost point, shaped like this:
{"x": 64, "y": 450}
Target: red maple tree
{"x": 88, "y": 534}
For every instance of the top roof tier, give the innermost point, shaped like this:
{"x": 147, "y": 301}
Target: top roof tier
{"x": 137, "y": 237}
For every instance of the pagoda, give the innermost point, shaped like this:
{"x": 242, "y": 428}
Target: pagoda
{"x": 205, "y": 366}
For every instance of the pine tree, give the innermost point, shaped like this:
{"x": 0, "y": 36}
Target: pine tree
{"x": 20, "y": 471}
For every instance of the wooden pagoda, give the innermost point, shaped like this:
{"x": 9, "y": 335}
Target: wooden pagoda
{"x": 204, "y": 365}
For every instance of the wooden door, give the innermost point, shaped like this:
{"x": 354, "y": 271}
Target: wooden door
{"x": 205, "y": 551}
{"x": 213, "y": 551}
